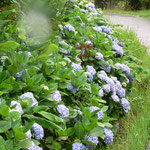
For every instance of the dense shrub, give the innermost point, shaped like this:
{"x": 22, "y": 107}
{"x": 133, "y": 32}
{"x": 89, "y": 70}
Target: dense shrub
{"x": 68, "y": 91}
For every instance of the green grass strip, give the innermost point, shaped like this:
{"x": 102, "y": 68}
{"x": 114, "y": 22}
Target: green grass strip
{"x": 134, "y": 128}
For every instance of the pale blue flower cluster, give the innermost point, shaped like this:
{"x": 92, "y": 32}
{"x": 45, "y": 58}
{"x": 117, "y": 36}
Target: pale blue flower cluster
{"x": 72, "y": 88}
{"x": 38, "y": 131}
{"x": 29, "y": 54}
{"x": 118, "y": 49}
{"x": 125, "y": 104}
{"x": 113, "y": 85}
{"x": 34, "y": 147}
{"x": 106, "y": 67}
{"x": 17, "y": 107}
{"x": 90, "y": 72}
{"x": 115, "y": 98}
{"x": 108, "y": 136}
{"x": 69, "y": 27}
{"x": 97, "y": 28}
{"x": 63, "y": 111}
{"x": 77, "y": 146}
{"x": 106, "y": 88}
{"x": 66, "y": 58}
{"x": 99, "y": 114}
{"x": 90, "y": 6}
{"x": 92, "y": 139}
{"x": 100, "y": 93}
{"x": 56, "y": 96}
{"x": 64, "y": 51}
{"x": 30, "y": 95}
{"x": 63, "y": 43}
{"x": 106, "y": 29}
{"x": 29, "y": 135}
{"x": 99, "y": 56}
{"x": 76, "y": 66}
{"x": 123, "y": 67}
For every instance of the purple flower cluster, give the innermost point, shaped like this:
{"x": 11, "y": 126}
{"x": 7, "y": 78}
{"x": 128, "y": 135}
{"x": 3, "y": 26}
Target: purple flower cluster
{"x": 92, "y": 139}
{"x": 63, "y": 111}
{"x": 38, "y": 131}
{"x": 100, "y": 93}
{"x": 56, "y": 96}
{"x": 99, "y": 114}
{"x": 125, "y": 104}
{"x": 108, "y": 136}
{"x": 29, "y": 135}
{"x": 30, "y": 95}
{"x": 123, "y": 67}
{"x": 90, "y": 6}
{"x": 77, "y": 146}
{"x": 90, "y": 72}
{"x": 97, "y": 28}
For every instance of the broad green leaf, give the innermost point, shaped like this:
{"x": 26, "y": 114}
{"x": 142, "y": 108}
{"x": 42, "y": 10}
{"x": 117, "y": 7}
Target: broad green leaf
{"x": 98, "y": 131}
{"x": 79, "y": 130}
{"x": 51, "y": 116}
{"x": 4, "y": 109}
{"x": 8, "y": 46}
{"x": 4, "y": 126}
{"x": 20, "y": 135}
{"x": 23, "y": 143}
{"x": 37, "y": 109}
{"x": 43, "y": 122}
{"x": 94, "y": 88}
{"x": 48, "y": 49}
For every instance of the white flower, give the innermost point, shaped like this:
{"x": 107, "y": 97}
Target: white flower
{"x": 99, "y": 56}
{"x": 17, "y": 107}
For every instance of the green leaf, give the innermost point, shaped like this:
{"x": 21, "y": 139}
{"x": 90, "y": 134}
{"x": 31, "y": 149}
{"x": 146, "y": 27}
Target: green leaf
{"x": 48, "y": 49}
{"x": 4, "y": 109}
{"x": 79, "y": 130}
{"x": 94, "y": 88}
{"x": 4, "y": 126}
{"x": 98, "y": 131}
{"x": 43, "y": 122}
{"x": 23, "y": 143}
{"x": 51, "y": 117}
{"x": 20, "y": 135}
{"x": 70, "y": 131}
{"x": 37, "y": 78}
{"x": 8, "y": 46}
{"x": 37, "y": 109}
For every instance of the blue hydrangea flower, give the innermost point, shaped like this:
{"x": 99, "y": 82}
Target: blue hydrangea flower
{"x": 64, "y": 51}
{"x": 108, "y": 136}
{"x": 90, "y": 72}
{"x": 29, "y": 54}
{"x": 30, "y": 95}
{"x": 76, "y": 66}
{"x": 130, "y": 77}
{"x": 38, "y": 131}
{"x": 34, "y": 147}
{"x": 97, "y": 28}
{"x": 106, "y": 88}
{"x": 77, "y": 146}
{"x": 117, "y": 48}
{"x": 18, "y": 75}
{"x": 115, "y": 98}
{"x": 107, "y": 67}
{"x": 90, "y": 6}
{"x": 56, "y": 96}
{"x": 72, "y": 88}
{"x": 63, "y": 43}
{"x": 100, "y": 93}
{"x": 69, "y": 27}
{"x": 125, "y": 104}
{"x": 99, "y": 114}
{"x": 123, "y": 67}
{"x": 106, "y": 29}
{"x": 63, "y": 111}
{"x": 99, "y": 56}
{"x": 84, "y": 11}
{"x": 66, "y": 58}
{"x": 91, "y": 139}
{"x": 17, "y": 107}
{"x": 29, "y": 135}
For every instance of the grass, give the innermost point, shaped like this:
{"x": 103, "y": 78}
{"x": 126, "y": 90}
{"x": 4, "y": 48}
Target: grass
{"x": 134, "y": 128}
{"x": 140, "y": 13}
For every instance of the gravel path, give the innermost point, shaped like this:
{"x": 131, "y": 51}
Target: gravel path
{"x": 139, "y": 25}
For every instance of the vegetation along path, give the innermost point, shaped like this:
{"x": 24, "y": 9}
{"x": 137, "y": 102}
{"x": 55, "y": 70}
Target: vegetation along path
{"x": 140, "y": 26}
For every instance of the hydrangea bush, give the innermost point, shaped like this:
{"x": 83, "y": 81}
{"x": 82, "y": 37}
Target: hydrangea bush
{"x": 53, "y": 99}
